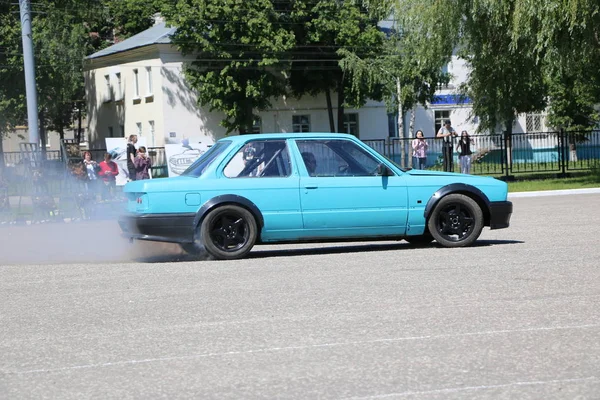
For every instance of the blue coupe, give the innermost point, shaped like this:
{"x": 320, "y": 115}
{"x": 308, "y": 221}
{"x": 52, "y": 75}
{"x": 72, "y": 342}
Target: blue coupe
{"x": 276, "y": 188}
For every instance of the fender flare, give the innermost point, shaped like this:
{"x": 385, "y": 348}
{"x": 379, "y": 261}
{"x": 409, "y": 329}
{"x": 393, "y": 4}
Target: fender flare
{"x": 229, "y": 199}
{"x": 460, "y": 188}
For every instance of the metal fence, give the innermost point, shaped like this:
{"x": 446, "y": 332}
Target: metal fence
{"x": 502, "y": 154}
{"x": 497, "y": 154}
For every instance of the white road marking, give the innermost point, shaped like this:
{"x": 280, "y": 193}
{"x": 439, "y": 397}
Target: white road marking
{"x": 542, "y": 193}
{"x": 465, "y": 388}
{"x": 303, "y": 347}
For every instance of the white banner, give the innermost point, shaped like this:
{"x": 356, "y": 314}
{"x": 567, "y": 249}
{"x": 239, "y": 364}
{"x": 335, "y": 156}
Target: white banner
{"x": 117, "y": 147}
{"x": 180, "y": 156}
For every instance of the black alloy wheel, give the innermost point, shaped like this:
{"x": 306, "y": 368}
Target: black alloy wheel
{"x": 456, "y": 221}
{"x": 228, "y": 232}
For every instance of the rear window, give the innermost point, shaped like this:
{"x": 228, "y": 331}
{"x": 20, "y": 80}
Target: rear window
{"x": 206, "y": 159}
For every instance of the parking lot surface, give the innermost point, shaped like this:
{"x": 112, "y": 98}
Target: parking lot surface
{"x": 84, "y": 314}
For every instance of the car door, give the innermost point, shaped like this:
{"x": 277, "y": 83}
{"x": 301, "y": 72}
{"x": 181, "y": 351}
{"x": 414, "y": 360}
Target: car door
{"x": 340, "y": 189}
{"x": 261, "y": 171}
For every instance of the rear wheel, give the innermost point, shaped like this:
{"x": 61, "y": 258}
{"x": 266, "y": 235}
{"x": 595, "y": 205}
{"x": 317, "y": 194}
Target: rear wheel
{"x": 456, "y": 221}
{"x": 228, "y": 232}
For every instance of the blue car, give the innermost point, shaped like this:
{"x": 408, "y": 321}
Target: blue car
{"x": 315, "y": 187}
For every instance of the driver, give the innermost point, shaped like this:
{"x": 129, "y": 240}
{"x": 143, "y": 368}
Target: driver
{"x": 310, "y": 161}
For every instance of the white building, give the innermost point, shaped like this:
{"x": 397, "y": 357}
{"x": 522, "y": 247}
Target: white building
{"x": 137, "y": 86}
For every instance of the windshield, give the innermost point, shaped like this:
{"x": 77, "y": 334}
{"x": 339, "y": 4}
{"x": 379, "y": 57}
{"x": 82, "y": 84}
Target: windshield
{"x": 203, "y": 162}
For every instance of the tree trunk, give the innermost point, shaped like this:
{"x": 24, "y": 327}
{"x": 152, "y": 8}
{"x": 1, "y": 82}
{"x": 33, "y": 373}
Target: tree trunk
{"x": 341, "y": 99}
{"x": 1, "y": 150}
{"x": 400, "y": 125}
{"x": 79, "y": 122}
{"x": 411, "y": 131}
{"x": 330, "y": 111}
{"x": 61, "y": 133}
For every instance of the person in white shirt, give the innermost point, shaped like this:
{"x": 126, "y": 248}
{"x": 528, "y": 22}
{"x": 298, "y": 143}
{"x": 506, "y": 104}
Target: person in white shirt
{"x": 447, "y": 133}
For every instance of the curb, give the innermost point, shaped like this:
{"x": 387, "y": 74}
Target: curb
{"x": 565, "y": 192}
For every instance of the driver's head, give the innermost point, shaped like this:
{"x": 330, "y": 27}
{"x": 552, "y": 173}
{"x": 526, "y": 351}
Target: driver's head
{"x": 310, "y": 161}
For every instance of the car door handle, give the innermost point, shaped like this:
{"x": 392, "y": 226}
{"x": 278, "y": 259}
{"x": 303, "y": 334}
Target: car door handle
{"x": 311, "y": 186}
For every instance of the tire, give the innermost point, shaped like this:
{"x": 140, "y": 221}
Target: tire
{"x": 456, "y": 221}
{"x": 420, "y": 240}
{"x": 228, "y": 232}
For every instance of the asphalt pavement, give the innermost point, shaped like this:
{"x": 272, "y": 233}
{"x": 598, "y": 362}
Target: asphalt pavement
{"x": 84, "y": 314}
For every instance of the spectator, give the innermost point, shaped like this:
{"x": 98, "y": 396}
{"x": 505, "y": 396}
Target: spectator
{"x": 131, "y": 154}
{"x": 142, "y": 163}
{"x": 447, "y": 132}
{"x": 573, "y": 151}
{"x": 420, "y": 146}
{"x": 108, "y": 171}
{"x": 464, "y": 151}
{"x": 91, "y": 169}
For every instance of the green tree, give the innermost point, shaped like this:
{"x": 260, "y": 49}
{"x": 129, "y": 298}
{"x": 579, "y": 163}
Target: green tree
{"x": 321, "y": 30}
{"x": 12, "y": 89}
{"x": 63, "y": 34}
{"x": 565, "y": 39}
{"x": 505, "y": 78}
{"x": 241, "y": 52}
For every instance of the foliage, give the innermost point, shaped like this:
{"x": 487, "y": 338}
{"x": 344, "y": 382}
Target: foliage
{"x": 64, "y": 32}
{"x": 327, "y": 30}
{"x": 564, "y": 36}
{"x": 240, "y": 49}
{"x": 505, "y": 79}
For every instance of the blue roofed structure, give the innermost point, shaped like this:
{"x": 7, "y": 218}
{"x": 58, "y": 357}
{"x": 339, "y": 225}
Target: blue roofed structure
{"x": 158, "y": 34}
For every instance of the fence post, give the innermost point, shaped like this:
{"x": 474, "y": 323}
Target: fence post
{"x": 562, "y": 151}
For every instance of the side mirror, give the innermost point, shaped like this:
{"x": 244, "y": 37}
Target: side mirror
{"x": 383, "y": 170}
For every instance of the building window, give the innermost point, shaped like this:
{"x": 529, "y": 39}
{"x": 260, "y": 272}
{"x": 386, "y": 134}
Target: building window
{"x": 122, "y": 130}
{"x": 119, "y": 93}
{"x": 149, "y": 81}
{"x": 440, "y": 116}
{"x": 392, "y": 125}
{"x": 351, "y": 124}
{"x": 151, "y": 133}
{"x": 108, "y": 96}
{"x": 256, "y": 126}
{"x": 136, "y": 85}
{"x": 138, "y": 130}
{"x": 110, "y": 131}
{"x": 301, "y": 123}
{"x": 535, "y": 123}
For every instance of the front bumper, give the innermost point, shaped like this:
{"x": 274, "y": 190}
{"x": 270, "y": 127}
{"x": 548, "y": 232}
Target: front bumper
{"x": 176, "y": 228}
{"x": 500, "y": 212}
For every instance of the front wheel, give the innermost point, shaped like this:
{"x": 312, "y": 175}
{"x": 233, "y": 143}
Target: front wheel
{"x": 228, "y": 232}
{"x": 456, "y": 221}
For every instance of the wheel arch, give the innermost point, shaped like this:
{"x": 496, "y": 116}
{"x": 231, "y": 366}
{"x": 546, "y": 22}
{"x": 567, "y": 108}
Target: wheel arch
{"x": 233, "y": 200}
{"x": 460, "y": 188}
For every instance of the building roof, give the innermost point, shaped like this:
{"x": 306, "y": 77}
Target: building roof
{"x": 158, "y": 34}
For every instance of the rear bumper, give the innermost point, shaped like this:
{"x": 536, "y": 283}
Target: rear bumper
{"x": 176, "y": 228}
{"x": 500, "y": 213}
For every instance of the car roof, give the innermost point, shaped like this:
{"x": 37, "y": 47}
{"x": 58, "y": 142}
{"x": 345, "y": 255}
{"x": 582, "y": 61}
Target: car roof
{"x": 305, "y": 135}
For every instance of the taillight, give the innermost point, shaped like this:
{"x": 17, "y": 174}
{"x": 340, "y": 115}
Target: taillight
{"x": 139, "y": 200}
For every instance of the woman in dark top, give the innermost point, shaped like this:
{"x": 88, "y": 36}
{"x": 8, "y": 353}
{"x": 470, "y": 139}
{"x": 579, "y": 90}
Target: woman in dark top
{"x": 131, "y": 154}
{"x": 464, "y": 149}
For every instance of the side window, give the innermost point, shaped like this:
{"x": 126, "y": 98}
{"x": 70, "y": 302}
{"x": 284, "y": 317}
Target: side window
{"x": 329, "y": 158}
{"x": 261, "y": 158}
